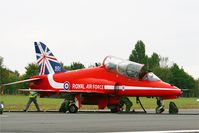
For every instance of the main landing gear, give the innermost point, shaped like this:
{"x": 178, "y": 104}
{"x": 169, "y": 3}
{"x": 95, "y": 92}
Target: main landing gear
{"x": 68, "y": 105}
{"x": 114, "y": 108}
{"x": 160, "y": 107}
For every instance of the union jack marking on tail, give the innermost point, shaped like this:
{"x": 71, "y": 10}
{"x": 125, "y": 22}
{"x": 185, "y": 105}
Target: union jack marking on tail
{"x": 48, "y": 64}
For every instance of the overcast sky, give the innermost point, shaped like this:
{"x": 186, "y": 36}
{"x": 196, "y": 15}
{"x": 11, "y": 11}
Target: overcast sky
{"x": 89, "y": 30}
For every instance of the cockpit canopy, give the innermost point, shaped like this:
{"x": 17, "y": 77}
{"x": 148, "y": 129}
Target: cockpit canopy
{"x": 123, "y": 67}
{"x": 128, "y": 68}
{"x": 151, "y": 77}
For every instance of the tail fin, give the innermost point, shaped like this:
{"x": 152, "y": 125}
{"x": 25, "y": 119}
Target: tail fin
{"x": 48, "y": 64}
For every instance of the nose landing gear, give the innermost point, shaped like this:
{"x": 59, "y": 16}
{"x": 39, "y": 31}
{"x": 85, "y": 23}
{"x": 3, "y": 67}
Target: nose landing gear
{"x": 160, "y": 107}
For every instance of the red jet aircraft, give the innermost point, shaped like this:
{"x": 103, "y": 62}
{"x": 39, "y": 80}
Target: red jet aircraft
{"x": 102, "y": 85}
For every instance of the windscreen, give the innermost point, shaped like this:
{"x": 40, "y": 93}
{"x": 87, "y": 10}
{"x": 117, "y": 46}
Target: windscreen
{"x": 151, "y": 77}
{"x": 123, "y": 67}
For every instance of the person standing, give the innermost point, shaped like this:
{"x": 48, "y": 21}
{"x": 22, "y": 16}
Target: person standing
{"x": 32, "y": 98}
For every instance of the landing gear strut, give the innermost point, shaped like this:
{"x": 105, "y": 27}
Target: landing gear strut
{"x": 138, "y": 101}
{"x": 160, "y": 107}
{"x": 68, "y": 105}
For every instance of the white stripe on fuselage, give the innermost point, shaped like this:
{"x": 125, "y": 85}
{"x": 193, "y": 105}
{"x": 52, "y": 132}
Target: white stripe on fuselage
{"x": 109, "y": 87}
{"x": 53, "y": 83}
{"x": 58, "y": 85}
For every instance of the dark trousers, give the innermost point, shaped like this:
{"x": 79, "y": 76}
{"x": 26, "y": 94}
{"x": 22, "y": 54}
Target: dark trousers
{"x": 34, "y": 100}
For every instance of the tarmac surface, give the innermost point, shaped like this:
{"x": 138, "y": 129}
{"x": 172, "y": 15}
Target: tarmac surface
{"x": 92, "y": 121}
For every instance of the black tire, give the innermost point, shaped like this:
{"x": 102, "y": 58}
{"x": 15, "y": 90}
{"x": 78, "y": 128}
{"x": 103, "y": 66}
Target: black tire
{"x": 173, "y": 109}
{"x": 73, "y": 108}
{"x": 115, "y": 109}
{"x": 62, "y": 108}
{"x": 1, "y": 111}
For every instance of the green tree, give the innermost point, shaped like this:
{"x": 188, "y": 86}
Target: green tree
{"x": 7, "y": 76}
{"x": 31, "y": 70}
{"x": 181, "y": 79}
{"x": 1, "y": 69}
{"x": 159, "y": 65}
{"x": 196, "y": 88}
{"x": 66, "y": 68}
{"x": 153, "y": 61}
{"x": 1, "y": 61}
{"x": 76, "y": 65}
{"x": 73, "y": 66}
{"x": 164, "y": 74}
{"x": 138, "y": 53}
{"x": 12, "y": 77}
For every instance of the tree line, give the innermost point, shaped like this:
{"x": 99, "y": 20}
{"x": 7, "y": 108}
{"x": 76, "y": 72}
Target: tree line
{"x": 172, "y": 74}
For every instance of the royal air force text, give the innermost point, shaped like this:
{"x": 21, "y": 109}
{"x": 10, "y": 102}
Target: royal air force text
{"x": 87, "y": 86}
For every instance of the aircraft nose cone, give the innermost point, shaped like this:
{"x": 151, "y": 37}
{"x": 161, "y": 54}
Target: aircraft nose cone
{"x": 179, "y": 91}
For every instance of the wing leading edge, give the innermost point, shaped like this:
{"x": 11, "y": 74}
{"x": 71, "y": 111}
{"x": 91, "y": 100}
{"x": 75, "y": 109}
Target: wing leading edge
{"x": 22, "y": 81}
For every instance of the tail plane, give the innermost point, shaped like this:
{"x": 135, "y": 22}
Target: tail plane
{"x": 47, "y": 62}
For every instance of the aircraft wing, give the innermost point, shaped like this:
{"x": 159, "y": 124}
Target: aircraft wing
{"x": 36, "y": 90}
{"x": 22, "y": 81}
{"x": 17, "y": 82}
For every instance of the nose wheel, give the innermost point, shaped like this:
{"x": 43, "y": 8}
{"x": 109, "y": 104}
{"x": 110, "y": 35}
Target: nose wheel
{"x": 160, "y": 107}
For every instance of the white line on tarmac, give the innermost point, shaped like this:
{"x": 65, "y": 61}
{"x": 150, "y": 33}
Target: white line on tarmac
{"x": 169, "y": 131}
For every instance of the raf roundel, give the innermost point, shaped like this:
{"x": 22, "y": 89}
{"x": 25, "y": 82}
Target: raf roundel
{"x": 66, "y": 85}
